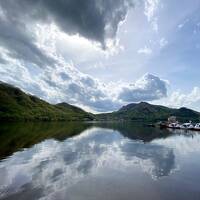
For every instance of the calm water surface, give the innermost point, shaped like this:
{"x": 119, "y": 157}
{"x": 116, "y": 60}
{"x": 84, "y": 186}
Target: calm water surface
{"x": 76, "y": 161}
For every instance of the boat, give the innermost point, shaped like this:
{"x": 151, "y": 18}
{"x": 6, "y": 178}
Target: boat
{"x": 187, "y": 126}
{"x": 197, "y": 127}
{"x": 174, "y": 125}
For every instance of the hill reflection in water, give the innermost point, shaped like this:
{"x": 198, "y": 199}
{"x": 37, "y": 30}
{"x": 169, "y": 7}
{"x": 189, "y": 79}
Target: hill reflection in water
{"x": 53, "y": 160}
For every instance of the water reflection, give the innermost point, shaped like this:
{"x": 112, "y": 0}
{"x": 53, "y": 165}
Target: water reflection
{"x": 58, "y": 161}
{"x": 16, "y": 136}
{"x": 157, "y": 160}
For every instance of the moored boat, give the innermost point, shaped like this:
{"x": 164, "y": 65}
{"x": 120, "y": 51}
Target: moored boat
{"x": 187, "y": 126}
{"x": 174, "y": 125}
{"x": 197, "y": 127}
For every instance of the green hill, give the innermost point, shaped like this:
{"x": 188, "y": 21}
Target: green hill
{"x": 15, "y": 105}
{"x": 147, "y": 112}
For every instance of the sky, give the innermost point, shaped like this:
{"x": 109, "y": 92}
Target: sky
{"x": 103, "y": 54}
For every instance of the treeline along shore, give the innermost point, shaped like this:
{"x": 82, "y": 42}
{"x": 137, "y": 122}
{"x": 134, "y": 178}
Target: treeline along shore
{"x": 16, "y": 105}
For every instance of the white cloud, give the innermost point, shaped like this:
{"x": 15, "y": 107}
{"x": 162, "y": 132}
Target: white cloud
{"x": 73, "y": 47}
{"x": 179, "y": 99}
{"x": 53, "y": 167}
{"x": 180, "y": 26}
{"x": 147, "y": 88}
{"x": 65, "y": 83}
{"x": 150, "y": 8}
{"x": 163, "y": 42}
{"x": 146, "y": 50}
{"x": 42, "y": 66}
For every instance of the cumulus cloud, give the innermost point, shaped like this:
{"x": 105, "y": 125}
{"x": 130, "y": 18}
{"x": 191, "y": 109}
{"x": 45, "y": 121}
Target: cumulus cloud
{"x": 61, "y": 83}
{"x": 66, "y": 83}
{"x": 148, "y": 88}
{"x": 179, "y": 99}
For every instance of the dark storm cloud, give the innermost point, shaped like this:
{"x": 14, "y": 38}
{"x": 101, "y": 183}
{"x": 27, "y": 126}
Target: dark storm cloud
{"x": 19, "y": 43}
{"x": 95, "y": 20}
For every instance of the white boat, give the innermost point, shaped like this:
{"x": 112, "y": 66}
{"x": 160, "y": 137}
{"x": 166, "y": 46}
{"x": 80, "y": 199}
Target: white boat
{"x": 197, "y": 127}
{"x": 174, "y": 125}
{"x": 187, "y": 126}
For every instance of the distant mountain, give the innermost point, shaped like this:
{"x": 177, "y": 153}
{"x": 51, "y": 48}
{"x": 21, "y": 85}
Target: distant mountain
{"x": 147, "y": 112}
{"x": 16, "y": 105}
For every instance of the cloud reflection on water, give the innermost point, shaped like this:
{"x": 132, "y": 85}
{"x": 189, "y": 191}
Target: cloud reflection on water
{"x": 52, "y": 166}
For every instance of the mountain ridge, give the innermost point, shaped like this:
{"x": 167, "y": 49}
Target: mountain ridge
{"x": 144, "y": 111}
{"x": 16, "y": 105}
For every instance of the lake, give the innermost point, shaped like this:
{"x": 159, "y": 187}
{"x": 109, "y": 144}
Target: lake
{"x": 88, "y": 161}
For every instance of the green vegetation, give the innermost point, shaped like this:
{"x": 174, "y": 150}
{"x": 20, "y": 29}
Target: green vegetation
{"x": 135, "y": 130}
{"x": 150, "y": 113}
{"x": 16, "y": 105}
{"x": 22, "y": 135}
